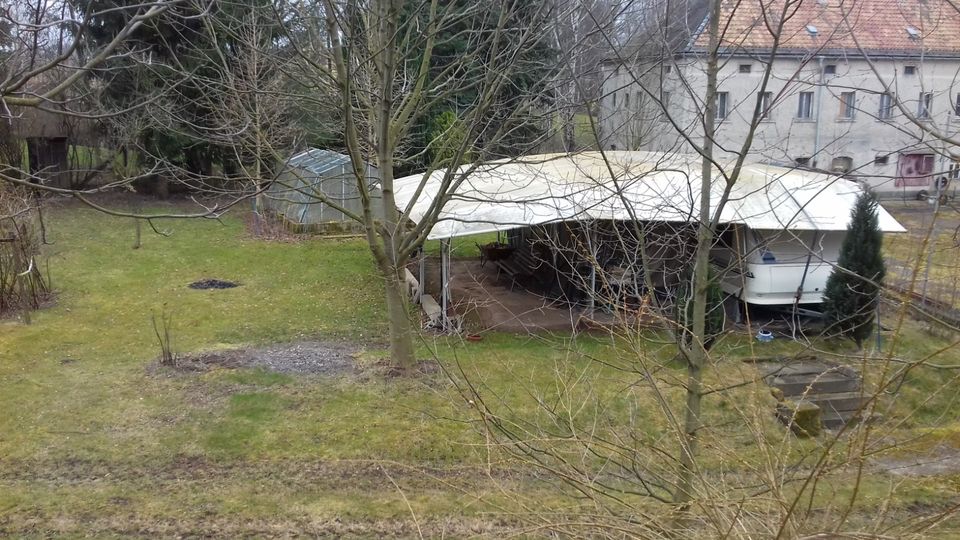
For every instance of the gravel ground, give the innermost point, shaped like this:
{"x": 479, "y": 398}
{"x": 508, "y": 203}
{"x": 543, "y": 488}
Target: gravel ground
{"x": 304, "y": 357}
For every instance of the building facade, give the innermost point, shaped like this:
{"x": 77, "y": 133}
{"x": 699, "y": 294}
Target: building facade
{"x": 877, "y": 100}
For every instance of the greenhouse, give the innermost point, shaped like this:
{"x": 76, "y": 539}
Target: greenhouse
{"x": 314, "y": 176}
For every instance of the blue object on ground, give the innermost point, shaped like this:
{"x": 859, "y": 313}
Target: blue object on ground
{"x": 764, "y": 336}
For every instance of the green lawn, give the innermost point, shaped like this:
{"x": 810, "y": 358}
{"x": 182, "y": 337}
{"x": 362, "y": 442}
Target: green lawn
{"x": 94, "y": 440}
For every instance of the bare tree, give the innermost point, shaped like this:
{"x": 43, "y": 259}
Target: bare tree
{"x": 628, "y": 474}
{"x": 394, "y": 64}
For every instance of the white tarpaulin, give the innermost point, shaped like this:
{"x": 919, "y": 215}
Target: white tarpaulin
{"x": 645, "y": 186}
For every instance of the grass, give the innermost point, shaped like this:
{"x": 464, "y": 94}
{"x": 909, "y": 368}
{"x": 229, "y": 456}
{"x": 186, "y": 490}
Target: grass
{"x": 97, "y": 440}
{"x": 904, "y": 251}
{"x": 464, "y": 247}
{"x": 583, "y": 131}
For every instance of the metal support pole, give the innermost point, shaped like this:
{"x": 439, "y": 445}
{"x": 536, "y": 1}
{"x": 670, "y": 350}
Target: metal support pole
{"x": 593, "y": 268}
{"x": 816, "y": 123}
{"x": 444, "y": 282}
{"x": 930, "y": 247}
{"x": 421, "y": 277}
{"x": 877, "y": 316}
{"x": 794, "y": 318}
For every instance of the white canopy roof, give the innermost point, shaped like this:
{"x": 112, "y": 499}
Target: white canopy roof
{"x": 645, "y": 186}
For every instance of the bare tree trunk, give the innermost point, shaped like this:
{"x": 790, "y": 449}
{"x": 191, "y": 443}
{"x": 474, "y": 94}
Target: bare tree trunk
{"x": 693, "y": 345}
{"x": 569, "y": 130}
{"x": 401, "y": 332}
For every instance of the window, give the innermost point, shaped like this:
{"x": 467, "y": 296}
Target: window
{"x": 914, "y": 170}
{"x": 746, "y": 68}
{"x": 812, "y": 30}
{"x": 881, "y": 159}
{"x": 613, "y": 147}
{"x": 912, "y": 32}
{"x": 841, "y": 164}
{"x": 805, "y": 106}
{"x": 886, "y": 106}
{"x": 956, "y": 105}
{"x": 830, "y": 69}
{"x": 954, "y": 171}
{"x": 766, "y": 102}
{"x": 925, "y": 104}
{"x": 626, "y": 100}
{"x": 802, "y": 161}
{"x": 848, "y": 105}
{"x": 909, "y": 70}
{"x": 668, "y": 68}
{"x": 665, "y": 104}
{"x": 614, "y": 97}
{"x": 721, "y": 105}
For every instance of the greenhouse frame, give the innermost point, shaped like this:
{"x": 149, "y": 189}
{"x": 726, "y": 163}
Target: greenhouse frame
{"x": 311, "y": 177}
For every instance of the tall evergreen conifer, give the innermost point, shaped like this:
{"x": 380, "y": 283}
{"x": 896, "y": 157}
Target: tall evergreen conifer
{"x": 853, "y": 291}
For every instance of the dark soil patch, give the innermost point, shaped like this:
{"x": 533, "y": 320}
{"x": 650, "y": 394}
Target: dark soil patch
{"x": 213, "y": 284}
{"x": 304, "y": 357}
{"x": 422, "y": 367}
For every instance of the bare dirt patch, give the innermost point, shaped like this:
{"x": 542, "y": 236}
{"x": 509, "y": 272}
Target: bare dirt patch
{"x": 940, "y": 460}
{"x": 303, "y": 357}
{"x": 384, "y": 368}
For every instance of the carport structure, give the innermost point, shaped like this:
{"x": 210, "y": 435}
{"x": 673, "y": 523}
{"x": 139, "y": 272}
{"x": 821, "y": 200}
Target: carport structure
{"x": 628, "y": 218}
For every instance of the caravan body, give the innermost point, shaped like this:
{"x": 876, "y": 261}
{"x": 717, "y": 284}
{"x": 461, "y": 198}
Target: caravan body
{"x": 776, "y": 267}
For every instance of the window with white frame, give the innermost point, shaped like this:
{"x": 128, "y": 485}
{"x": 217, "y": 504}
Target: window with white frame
{"x": 766, "y": 102}
{"x": 721, "y": 105}
{"x": 805, "y": 106}
{"x": 842, "y": 164}
{"x": 886, "y": 106}
{"x": 848, "y": 105}
{"x": 925, "y": 105}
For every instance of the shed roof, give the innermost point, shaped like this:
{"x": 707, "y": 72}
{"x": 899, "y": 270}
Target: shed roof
{"x": 645, "y": 186}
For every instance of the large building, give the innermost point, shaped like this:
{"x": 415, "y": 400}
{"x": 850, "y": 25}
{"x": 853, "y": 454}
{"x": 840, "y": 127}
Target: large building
{"x": 870, "y": 88}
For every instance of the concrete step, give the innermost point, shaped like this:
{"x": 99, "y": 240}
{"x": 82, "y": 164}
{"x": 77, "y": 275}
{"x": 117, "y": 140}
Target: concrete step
{"x": 808, "y": 368}
{"x": 795, "y": 385}
{"x": 838, "y": 401}
{"x": 838, "y": 419}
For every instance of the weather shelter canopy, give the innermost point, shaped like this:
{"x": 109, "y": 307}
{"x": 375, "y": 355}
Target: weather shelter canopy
{"x": 630, "y": 186}
{"x": 314, "y": 176}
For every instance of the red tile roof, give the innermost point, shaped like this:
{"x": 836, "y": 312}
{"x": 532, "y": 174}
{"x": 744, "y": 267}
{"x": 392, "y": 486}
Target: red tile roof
{"x": 878, "y": 26}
